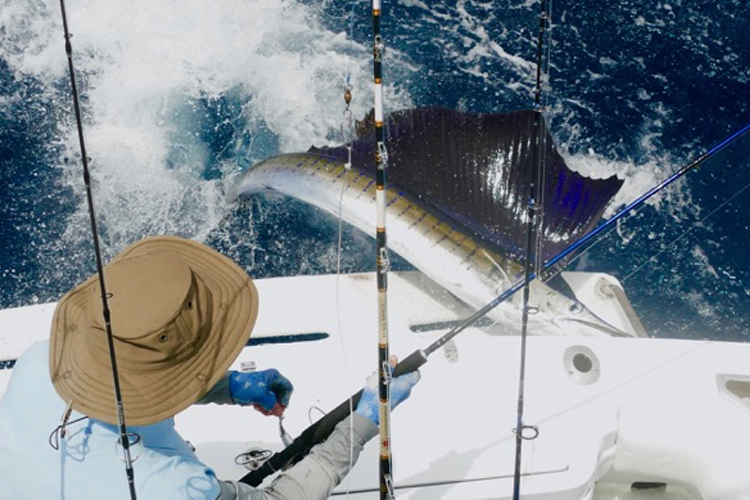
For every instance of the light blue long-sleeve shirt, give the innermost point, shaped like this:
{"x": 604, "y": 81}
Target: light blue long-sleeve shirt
{"x": 87, "y": 466}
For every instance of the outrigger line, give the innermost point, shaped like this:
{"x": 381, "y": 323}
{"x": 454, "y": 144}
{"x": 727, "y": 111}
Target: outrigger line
{"x": 124, "y": 438}
{"x": 383, "y": 264}
{"x": 321, "y": 429}
{"x": 533, "y": 247}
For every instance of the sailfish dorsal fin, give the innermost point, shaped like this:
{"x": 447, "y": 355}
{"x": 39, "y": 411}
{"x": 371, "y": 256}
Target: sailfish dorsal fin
{"x": 476, "y": 168}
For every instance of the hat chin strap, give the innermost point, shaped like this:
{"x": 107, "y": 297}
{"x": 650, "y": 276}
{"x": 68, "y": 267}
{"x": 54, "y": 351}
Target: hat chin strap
{"x": 124, "y": 439}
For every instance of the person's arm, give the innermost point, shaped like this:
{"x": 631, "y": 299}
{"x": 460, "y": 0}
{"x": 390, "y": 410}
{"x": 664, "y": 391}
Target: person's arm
{"x": 315, "y": 476}
{"x": 219, "y": 394}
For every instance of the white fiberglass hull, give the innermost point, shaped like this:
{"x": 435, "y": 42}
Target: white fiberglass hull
{"x": 671, "y": 417}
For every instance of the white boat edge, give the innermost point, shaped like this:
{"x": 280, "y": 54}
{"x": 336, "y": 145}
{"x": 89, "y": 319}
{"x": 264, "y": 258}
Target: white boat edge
{"x": 618, "y": 418}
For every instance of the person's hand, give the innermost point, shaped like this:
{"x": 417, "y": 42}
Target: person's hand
{"x": 268, "y": 390}
{"x": 369, "y": 403}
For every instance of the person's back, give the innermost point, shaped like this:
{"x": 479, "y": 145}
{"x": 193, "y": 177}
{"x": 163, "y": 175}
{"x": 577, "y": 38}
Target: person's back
{"x": 87, "y": 463}
{"x": 181, "y": 313}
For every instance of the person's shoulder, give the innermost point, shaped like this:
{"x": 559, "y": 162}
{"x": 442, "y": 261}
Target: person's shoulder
{"x": 36, "y": 355}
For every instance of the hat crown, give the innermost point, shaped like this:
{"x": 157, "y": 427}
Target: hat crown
{"x": 145, "y": 293}
{"x": 157, "y": 309}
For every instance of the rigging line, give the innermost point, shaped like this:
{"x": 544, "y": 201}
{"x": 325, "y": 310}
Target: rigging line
{"x": 347, "y": 372}
{"x": 684, "y": 234}
{"x": 339, "y": 250}
{"x": 124, "y": 437}
{"x": 543, "y": 83}
{"x": 644, "y": 197}
{"x": 351, "y": 37}
{"x": 535, "y": 203}
{"x": 321, "y": 429}
{"x": 419, "y": 357}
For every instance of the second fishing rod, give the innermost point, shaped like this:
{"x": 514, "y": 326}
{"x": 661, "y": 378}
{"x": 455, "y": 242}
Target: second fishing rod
{"x": 320, "y": 430}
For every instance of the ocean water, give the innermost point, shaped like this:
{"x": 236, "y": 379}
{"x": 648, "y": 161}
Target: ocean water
{"x": 180, "y": 97}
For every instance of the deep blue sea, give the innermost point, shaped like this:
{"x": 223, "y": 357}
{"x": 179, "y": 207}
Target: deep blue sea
{"x": 181, "y": 96}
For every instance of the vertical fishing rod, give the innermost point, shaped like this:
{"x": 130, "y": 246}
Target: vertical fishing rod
{"x": 320, "y": 430}
{"x": 124, "y": 438}
{"x": 533, "y": 246}
{"x": 383, "y": 263}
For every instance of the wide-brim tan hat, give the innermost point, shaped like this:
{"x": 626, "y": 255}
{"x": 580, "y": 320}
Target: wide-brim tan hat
{"x": 180, "y": 315}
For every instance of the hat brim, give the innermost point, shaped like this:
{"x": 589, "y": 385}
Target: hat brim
{"x": 84, "y": 379}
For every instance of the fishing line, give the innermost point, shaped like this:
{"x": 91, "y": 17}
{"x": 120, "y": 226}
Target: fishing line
{"x": 124, "y": 436}
{"x": 347, "y": 372}
{"x": 348, "y": 87}
{"x": 321, "y": 429}
{"x": 544, "y": 64}
{"x": 348, "y": 139}
{"x": 654, "y": 257}
{"x": 548, "y": 276}
{"x": 633, "y": 206}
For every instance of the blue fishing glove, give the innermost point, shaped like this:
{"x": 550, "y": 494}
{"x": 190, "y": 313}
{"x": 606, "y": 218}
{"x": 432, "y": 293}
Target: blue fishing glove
{"x": 369, "y": 403}
{"x": 268, "y": 390}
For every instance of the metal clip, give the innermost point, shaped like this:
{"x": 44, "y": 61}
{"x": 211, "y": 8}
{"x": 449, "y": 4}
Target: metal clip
{"x": 387, "y": 375}
{"x": 389, "y": 486}
{"x": 381, "y": 155}
{"x": 378, "y": 48}
{"x": 384, "y": 259}
{"x": 348, "y": 164}
{"x": 533, "y": 205}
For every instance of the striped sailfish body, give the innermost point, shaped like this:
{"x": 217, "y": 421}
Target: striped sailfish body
{"x": 431, "y": 241}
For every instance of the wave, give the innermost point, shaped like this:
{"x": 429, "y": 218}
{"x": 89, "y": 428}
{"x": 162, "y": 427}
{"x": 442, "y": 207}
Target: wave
{"x": 181, "y": 95}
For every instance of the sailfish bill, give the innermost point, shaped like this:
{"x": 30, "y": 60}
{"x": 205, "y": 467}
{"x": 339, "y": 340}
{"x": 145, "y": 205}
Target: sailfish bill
{"x": 465, "y": 227}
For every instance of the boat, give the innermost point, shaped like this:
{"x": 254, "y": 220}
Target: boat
{"x": 617, "y": 418}
{"x": 611, "y": 412}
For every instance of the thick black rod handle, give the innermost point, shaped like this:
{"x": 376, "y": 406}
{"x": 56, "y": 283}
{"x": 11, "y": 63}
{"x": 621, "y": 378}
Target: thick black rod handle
{"x": 320, "y": 430}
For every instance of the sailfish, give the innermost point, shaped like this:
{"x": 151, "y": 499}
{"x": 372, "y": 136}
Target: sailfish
{"x": 458, "y": 185}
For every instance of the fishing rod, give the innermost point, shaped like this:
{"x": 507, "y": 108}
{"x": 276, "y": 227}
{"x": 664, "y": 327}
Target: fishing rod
{"x": 320, "y": 430}
{"x": 383, "y": 265}
{"x": 533, "y": 243}
{"x": 124, "y": 437}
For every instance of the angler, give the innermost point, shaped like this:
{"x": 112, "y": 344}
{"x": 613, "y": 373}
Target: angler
{"x": 181, "y": 313}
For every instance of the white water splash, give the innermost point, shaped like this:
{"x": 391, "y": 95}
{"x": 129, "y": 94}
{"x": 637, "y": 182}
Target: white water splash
{"x": 146, "y": 69}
